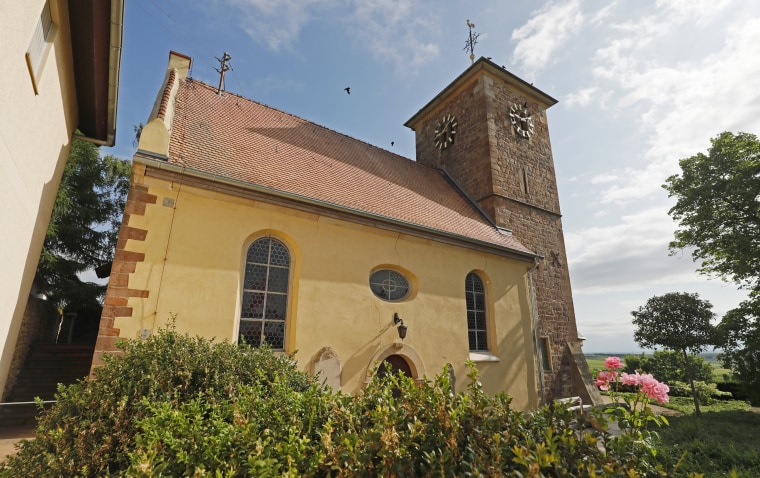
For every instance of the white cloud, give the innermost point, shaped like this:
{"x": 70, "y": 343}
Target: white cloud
{"x": 278, "y": 24}
{"x": 678, "y": 105}
{"x": 627, "y": 256}
{"x": 398, "y": 32}
{"x": 581, "y": 98}
{"x": 700, "y": 11}
{"x": 604, "y": 178}
{"x": 545, "y": 32}
{"x": 603, "y": 14}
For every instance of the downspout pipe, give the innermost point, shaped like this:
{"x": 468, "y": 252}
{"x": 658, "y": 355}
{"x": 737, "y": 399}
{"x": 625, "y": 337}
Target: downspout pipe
{"x": 536, "y": 337}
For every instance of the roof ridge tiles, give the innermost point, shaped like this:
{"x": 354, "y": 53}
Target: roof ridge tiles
{"x": 167, "y": 94}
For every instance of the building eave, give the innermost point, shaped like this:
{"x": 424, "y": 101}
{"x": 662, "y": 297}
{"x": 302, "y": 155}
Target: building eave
{"x": 340, "y": 212}
{"x": 97, "y": 29}
{"x": 482, "y": 64}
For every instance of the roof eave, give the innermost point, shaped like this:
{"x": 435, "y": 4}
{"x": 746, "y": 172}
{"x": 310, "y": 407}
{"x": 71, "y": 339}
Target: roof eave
{"x": 160, "y": 162}
{"x": 97, "y": 29}
{"x": 482, "y": 64}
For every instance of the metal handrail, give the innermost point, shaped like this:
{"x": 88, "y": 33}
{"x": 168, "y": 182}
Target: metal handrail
{"x": 44, "y": 402}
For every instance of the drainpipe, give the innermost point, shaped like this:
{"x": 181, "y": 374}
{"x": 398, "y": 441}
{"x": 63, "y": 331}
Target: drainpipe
{"x": 536, "y": 338}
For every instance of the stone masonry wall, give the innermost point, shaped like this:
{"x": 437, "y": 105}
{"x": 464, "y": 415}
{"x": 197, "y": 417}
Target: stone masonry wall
{"x": 40, "y": 324}
{"x": 527, "y": 202}
{"x": 513, "y": 179}
{"x": 124, "y": 263}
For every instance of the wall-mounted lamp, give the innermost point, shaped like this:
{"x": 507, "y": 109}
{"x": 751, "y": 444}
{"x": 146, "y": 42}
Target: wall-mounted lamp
{"x": 401, "y": 326}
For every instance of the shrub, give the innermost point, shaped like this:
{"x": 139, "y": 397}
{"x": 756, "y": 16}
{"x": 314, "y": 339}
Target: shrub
{"x": 670, "y": 366}
{"x": 736, "y": 389}
{"x": 708, "y": 393}
{"x": 173, "y": 405}
{"x": 394, "y": 427}
{"x": 93, "y": 427}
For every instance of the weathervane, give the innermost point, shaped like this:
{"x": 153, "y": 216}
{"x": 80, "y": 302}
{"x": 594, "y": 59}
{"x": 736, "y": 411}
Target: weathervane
{"x": 225, "y": 67}
{"x": 472, "y": 40}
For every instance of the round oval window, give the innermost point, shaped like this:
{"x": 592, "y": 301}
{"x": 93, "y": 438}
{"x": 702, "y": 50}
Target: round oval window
{"x": 389, "y": 285}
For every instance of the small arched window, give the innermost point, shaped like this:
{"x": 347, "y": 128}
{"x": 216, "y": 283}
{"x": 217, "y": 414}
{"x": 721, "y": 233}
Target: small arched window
{"x": 475, "y": 294}
{"x": 265, "y": 294}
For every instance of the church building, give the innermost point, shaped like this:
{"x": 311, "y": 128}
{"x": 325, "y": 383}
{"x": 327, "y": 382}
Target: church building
{"x": 248, "y": 224}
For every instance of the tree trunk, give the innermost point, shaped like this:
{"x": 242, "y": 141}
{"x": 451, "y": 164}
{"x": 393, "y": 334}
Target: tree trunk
{"x": 690, "y": 373}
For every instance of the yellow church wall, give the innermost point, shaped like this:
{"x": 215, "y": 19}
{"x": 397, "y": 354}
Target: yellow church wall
{"x": 194, "y": 264}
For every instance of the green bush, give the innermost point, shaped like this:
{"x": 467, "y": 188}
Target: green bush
{"x": 669, "y": 367}
{"x": 736, "y": 389}
{"x": 92, "y": 429}
{"x": 708, "y": 393}
{"x": 173, "y": 405}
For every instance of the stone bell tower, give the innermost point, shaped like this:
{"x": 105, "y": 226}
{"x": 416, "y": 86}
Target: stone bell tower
{"x": 488, "y": 131}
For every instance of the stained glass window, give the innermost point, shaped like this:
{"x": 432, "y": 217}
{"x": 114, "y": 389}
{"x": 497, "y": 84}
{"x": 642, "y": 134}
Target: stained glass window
{"x": 265, "y": 294}
{"x": 389, "y": 285}
{"x": 475, "y": 294}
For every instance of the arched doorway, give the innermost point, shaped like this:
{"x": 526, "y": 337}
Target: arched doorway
{"x": 395, "y": 357}
{"x": 394, "y": 364}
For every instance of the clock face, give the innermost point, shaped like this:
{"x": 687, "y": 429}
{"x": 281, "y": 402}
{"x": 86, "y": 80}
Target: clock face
{"x": 445, "y": 132}
{"x": 522, "y": 120}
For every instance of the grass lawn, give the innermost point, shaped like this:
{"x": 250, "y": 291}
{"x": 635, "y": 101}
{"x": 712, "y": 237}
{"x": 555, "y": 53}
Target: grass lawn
{"x": 595, "y": 363}
{"x": 717, "y": 443}
{"x": 719, "y": 372}
{"x": 724, "y": 441}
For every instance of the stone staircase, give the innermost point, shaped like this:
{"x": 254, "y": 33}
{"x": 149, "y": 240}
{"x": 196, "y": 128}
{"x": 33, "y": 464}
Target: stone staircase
{"x": 45, "y": 367}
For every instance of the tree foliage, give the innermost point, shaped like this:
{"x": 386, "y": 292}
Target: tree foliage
{"x": 718, "y": 208}
{"x": 172, "y": 405}
{"x": 677, "y": 321}
{"x": 84, "y": 226}
{"x": 740, "y": 334}
{"x": 669, "y": 366}
{"x": 718, "y": 213}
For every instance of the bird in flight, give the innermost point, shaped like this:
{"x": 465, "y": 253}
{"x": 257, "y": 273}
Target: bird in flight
{"x": 348, "y": 89}
{"x": 392, "y": 143}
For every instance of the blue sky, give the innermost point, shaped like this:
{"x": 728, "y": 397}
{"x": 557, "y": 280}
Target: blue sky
{"x": 640, "y": 85}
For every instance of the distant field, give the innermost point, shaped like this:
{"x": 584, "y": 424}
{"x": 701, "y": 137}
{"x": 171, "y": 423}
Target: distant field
{"x": 596, "y": 363}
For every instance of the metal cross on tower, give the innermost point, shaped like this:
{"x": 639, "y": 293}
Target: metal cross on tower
{"x": 472, "y": 40}
{"x": 224, "y": 68}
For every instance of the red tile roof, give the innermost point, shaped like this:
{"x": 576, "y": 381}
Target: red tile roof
{"x": 239, "y": 139}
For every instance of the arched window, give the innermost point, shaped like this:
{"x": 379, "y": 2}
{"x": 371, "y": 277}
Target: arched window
{"x": 475, "y": 293}
{"x": 265, "y": 294}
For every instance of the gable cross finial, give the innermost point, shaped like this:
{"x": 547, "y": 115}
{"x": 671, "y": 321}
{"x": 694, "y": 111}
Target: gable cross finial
{"x": 224, "y": 68}
{"x": 472, "y": 40}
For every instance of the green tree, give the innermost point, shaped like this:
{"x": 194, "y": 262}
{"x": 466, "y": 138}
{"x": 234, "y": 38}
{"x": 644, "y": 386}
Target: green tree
{"x": 677, "y": 321}
{"x": 669, "y": 366}
{"x": 740, "y": 335}
{"x": 84, "y": 226}
{"x": 718, "y": 208}
{"x": 718, "y": 214}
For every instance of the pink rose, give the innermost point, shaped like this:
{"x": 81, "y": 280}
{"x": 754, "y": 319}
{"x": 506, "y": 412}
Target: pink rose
{"x": 604, "y": 378}
{"x": 661, "y": 392}
{"x": 630, "y": 378}
{"x": 613, "y": 363}
{"x": 654, "y": 389}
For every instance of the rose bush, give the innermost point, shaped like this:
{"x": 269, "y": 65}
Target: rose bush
{"x": 631, "y": 412}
